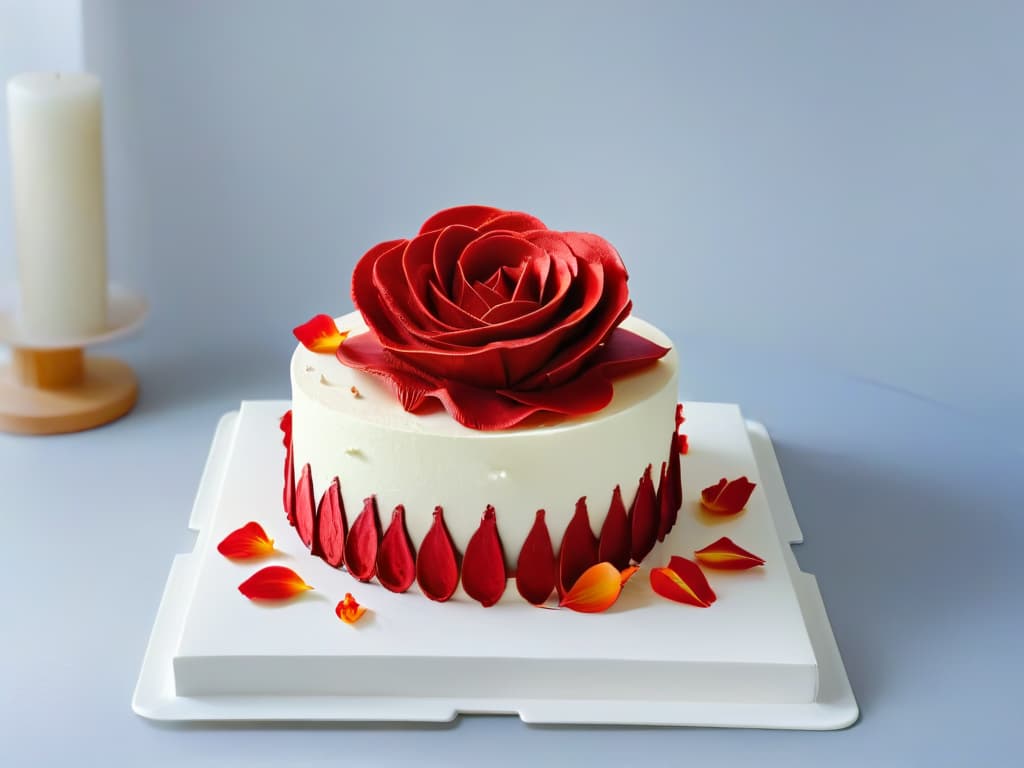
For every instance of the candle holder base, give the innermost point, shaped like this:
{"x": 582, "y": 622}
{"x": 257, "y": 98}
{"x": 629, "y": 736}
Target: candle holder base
{"x": 53, "y": 392}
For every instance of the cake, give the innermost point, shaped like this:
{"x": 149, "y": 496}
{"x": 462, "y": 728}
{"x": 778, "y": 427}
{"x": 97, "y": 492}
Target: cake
{"x": 490, "y": 411}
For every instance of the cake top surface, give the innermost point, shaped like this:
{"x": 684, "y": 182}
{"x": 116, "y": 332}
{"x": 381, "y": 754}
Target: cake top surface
{"x": 327, "y": 381}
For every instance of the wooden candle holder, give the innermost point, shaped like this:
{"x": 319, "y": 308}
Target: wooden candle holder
{"x": 50, "y": 386}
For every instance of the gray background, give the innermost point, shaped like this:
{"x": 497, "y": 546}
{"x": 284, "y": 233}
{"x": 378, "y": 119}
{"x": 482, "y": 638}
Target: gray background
{"x": 811, "y": 197}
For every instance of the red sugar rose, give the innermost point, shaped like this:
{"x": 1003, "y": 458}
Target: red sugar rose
{"x": 496, "y": 317}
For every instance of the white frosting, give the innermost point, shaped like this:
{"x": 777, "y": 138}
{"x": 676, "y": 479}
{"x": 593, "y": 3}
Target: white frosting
{"x": 375, "y": 447}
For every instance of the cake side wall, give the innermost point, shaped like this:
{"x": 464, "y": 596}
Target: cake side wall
{"x": 517, "y": 471}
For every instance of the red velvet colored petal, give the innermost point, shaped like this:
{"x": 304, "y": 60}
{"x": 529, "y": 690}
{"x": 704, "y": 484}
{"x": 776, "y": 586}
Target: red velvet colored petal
{"x": 675, "y": 483}
{"x": 249, "y": 541}
{"x": 483, "y": 218}
{"x": 726, "y": 555}
{"x": 396, "y": 563}
{"x": 275, "y": 582}
{"x": 643, "y": 518}
{"x": 613, "y": 546}
{"x": 288, "y": 497}
{"x": 286, "y": 428}
{"x": 483, "y": 565}
{"x": 485, "y": 409}
{"x": 363, "y": 541}
{"x": 679, "y": 416}
{"x": 305, "y": 506}
{"x": 330, "y": 526}
{"x": 579, "y": 548}
{"x": 664, "y": 503}
{"x": 727, "y": 497}
{"x": 535, "y": 570}
{"x": 684, "y": 444}
{"x": 437, "y": 565}
{"x": 683, "y": 581}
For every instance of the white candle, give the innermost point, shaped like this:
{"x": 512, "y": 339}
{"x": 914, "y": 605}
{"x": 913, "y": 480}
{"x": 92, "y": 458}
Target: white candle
{"x": 56, "y": 135}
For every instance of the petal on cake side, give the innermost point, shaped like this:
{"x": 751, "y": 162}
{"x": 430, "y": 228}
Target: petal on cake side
{"x": 330, "y": 526}
{"x": 437, "y": 564}
{"x": 363, "y": 541}
{"x": 483, "y": 565}
{"x": 643, "y": 518}
{"x": 305, "y": 507}
{"x": 614, "y": 543}
{"x": 579, "y": 548}
{"x": 536, "y": 570}
{"x": 396, "y": 562}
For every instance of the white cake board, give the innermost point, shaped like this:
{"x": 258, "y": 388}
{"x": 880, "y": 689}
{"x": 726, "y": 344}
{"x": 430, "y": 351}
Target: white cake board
{"x": 203, "y": 620}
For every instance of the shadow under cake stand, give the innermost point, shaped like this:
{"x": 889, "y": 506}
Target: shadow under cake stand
{"x": 50, "y": 386}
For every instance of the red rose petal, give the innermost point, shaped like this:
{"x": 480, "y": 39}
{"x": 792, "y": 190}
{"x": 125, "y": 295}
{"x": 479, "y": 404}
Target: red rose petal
{"x": 727, "y": 497}
{"x": 437, "y": 565}
{"x": 679, "y": 416}
{"x": 726, "y": 555}
{"x": 247, "y": 542}
{"x": 286, "y": 428}
{"x": 643, "y": 517}
{"x": 363, "y": 541}
{"x": 675, "y": 486}
{"x": 597, "y": 588}
{"x": 482, "y": 218}
{"x": 289, "y": 486}
{"x": 579, "y": 548}
{"x": 683, "y": 581}
{"x": 396, "y": 563}
{"x": 275, "y": 582}
{"x": 535, "y": 570}
{"x": 614, "y": 544}
{"x": 320, "y": 335}
{"x": 684, "y": 445}
{"x": 330, "y": 526}
{"x": 483, "y": 565}
{"x": 663, "y": 503}
{"x": 305, "y": 506}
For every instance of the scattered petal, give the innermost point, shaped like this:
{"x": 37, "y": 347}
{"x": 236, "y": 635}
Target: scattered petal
{"x": 683, "y": 581}
{"x": 643, "y": 517}
{"x": 275, "y": 582}
{"x": 349, "y": 610}
{"x": 727, "y": 497}
{"x": 330, "y": 526}
{"x": 363, "y": 541}
{"x": 247, "y": 542}
{"x": 726, "y": 555}
{"x": 320, "y": 335}
{"x": 597, "y": 588}
{"x": 396, "y": 563}
{"x": 483, "y": 565}
{"x": 579, "y": 548}
{"x": 305, "y": 506}
{"x": 437, "y": 566}
{"x": 613, "y": 545}
{"x": 536, "y": 571}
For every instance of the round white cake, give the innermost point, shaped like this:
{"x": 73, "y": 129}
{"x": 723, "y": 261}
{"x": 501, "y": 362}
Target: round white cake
{"x": 348, "y": 424}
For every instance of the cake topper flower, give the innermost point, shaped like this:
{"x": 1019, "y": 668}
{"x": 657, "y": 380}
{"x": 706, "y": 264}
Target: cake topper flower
{"x": 496, "y": 317}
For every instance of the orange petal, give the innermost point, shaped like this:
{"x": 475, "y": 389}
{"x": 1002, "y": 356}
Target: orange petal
{"x": 275, "y": 582}
{"x": 320, "y": 335}
{"x": 597, "y": 589}
{"x": 247, "y": 542}
{"x": 726, "y": 555}
{"x": 727, "y": 497}
{"x": 349, "y": 610}
{"x": 682, "y": 581}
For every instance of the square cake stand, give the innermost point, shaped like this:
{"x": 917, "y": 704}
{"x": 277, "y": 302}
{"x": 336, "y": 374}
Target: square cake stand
{"x": 762, "y": 656}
